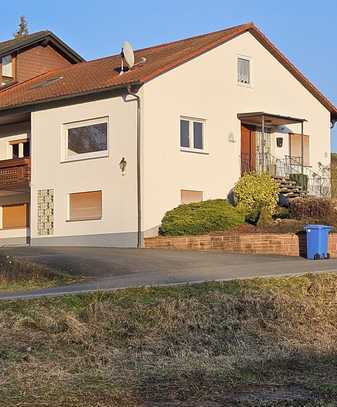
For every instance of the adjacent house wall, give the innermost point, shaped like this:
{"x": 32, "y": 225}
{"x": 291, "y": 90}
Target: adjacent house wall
{"x": 118, "y": 226}
{"x": 37, "y": 60}
{"x": 206, "y": 88}
{"x": 11, "y": 132}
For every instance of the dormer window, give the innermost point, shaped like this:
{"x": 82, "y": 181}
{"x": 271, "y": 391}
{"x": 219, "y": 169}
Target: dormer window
{"x": 244, "y": 71}
{"x": 7, "y": 66}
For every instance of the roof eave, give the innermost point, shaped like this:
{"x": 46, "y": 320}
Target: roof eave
{"x": 28, "y": 105}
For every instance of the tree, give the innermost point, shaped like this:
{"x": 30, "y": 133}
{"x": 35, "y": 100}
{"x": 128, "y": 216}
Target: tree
{"x": 22, "y": 29}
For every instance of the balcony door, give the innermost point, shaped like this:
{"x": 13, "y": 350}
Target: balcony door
{"x": 295, "y": 149}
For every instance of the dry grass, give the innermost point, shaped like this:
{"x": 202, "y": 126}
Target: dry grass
{"x": 263, "y": 342}
{"x": 18, "y": 274}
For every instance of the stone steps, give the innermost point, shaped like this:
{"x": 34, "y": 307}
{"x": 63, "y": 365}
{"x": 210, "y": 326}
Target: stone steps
{"x": 289, "y": 188}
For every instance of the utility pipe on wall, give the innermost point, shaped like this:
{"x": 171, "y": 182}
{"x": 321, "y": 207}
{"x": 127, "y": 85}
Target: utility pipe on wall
{"x": 139, "y": 186}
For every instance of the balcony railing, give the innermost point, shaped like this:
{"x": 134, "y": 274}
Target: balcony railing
{"x": 15, "y": 173}
{"x": 318, "y": 184}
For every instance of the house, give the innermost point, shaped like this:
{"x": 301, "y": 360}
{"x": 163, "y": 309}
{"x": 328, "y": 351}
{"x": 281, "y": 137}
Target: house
{"x": 31, "y": 55}
{"x": 112, "y": 149}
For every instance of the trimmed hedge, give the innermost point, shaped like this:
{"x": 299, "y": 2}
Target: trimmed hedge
{"x": 201, "y": 218}
{"x": 320, "y": 209}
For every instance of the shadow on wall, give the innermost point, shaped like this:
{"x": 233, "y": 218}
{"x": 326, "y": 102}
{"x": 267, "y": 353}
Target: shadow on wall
{"x": 302, "y": 243}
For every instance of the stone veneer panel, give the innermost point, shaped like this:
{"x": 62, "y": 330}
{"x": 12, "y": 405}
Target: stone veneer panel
{"x": 45, "y": 212}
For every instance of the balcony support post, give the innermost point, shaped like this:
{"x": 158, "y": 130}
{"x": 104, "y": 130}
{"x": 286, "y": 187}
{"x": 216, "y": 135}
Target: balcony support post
{"x": 21, "y": 153}
{"x": 262, "y": 143}
{"x": 302, "y": 148}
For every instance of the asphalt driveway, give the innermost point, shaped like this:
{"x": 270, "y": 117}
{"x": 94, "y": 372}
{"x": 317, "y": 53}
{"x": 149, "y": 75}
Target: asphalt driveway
{"x": 112, "y": 268}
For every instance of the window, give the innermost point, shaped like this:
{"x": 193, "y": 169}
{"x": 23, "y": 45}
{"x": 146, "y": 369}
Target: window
{"x": 85, "y": 205}
{"x": 7, "y": 66}
{"x": 26, "y": 149}
{"x": 15, "y": 216}
{"x": 191, "y": 196}
{"x": 191, "y": 134}
{"x": 244, "y": 71}
{"x": 20, "y": 148}
{"x": 184, "y": 133}
{"x": 15, "y": 151}
{"x": 86, "y": 139}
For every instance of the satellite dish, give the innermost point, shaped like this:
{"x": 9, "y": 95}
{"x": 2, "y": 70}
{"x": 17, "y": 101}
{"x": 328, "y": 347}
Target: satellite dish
{"x": 128, "y": 54}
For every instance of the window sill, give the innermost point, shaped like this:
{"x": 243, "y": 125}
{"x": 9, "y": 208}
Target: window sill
{"x": 70, "y": 160}
{"x": 193, "y": 150}
{"x": 15, "y": 227}
{"x": 83, "y": 220}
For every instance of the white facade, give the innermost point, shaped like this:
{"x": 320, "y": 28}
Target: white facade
{"x": 205, "y": 89}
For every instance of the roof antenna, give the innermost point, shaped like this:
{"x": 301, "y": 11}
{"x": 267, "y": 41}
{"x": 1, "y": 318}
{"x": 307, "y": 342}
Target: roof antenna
{"x": 128, "y": 55}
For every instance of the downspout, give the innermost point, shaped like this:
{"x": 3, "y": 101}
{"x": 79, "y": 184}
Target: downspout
{"x": 139, "y": 186}
{"x": 333, "y": 122}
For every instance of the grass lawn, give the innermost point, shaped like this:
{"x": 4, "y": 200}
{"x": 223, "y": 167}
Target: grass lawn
{"x": 262, "y": 342}
{"x": 22, "y": 275}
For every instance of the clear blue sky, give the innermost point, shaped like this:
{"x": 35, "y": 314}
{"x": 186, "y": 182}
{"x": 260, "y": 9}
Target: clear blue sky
{"x": 305, "y": 30}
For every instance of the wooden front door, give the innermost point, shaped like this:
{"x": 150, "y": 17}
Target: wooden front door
{"x": 248, "y": 149}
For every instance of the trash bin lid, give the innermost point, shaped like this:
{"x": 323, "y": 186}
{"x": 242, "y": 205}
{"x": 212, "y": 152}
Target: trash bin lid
{"x": 317, "y": 227}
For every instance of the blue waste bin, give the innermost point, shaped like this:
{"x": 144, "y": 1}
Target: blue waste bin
{"x": 317, "y": 241}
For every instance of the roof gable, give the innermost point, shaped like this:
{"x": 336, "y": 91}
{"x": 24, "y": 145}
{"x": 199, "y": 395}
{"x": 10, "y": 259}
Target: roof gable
{"x": 16, "y": 44}
{"x": 104, "y": 74}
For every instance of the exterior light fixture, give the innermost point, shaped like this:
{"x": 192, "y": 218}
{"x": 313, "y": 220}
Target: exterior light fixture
{"x": 122, "y": 165}
{"x": 279, "y": 141}
{"x": 231, "y": 137}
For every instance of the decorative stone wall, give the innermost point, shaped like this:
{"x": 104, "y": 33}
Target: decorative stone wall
{"x": 45, "y": 212}
{"x": 250, "y": 243}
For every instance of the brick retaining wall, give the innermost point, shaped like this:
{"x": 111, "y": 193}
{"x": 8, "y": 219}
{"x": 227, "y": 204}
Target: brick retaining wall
{"x": 256, "y": 243}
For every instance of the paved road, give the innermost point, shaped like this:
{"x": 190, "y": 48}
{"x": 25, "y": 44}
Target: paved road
{"x": 109, "y": 269}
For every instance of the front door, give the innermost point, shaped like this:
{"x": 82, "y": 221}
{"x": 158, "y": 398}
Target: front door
{"x": 248, "y": 149}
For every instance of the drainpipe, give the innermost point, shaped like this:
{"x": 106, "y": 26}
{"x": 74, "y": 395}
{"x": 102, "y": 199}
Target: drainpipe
{"x": 333, "y": 122}
{"x": 139, "y": 187}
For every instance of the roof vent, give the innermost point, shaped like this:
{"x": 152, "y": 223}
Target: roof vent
{"x": 46, "y": 82}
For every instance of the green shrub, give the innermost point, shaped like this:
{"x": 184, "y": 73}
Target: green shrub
{"x": 320, "y": 209}
{"x": 282, "y": 213}
{"x": 265, "y": 217}
{"x": 255, "y": 192}
{"x": 200, "y": 218}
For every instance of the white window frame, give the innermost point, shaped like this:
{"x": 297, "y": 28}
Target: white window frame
{"x": 7, "y": 66}
{"x": 84, "y": 156}
{"x": 84, "y": 220}
{"x": 250, "y": 60}
{"x": 192, "y": 149}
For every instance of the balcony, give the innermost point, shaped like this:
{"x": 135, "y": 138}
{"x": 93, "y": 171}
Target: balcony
{"x": 15, "y": 175}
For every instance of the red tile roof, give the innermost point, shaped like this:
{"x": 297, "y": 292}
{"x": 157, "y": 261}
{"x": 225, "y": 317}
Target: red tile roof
{"x": 102, "y": 74}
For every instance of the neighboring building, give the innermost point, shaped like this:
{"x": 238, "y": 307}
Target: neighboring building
{"x": 110, "y": 153}
{"x": 32, "y": 55}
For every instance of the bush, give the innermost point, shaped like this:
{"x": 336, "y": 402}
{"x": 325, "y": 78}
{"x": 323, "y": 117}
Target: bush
{"x": 281, "y": 213}
{"x": 265, "y": 217}
{"x": 257, "y": 192}
{"x": 318, "y": 209}
{"x": 200, "y": 218}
